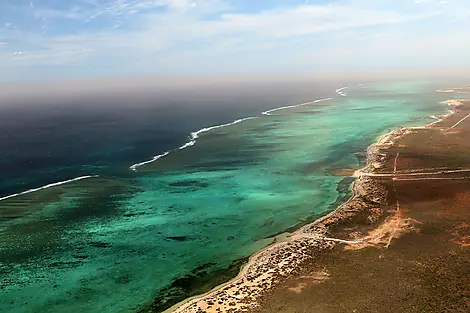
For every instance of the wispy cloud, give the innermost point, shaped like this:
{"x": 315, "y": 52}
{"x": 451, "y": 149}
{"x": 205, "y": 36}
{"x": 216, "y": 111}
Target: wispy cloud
{"x": 133, "y": 32}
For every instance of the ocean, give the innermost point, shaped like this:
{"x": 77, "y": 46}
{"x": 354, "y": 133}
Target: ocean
{"x": 120, "y": 204}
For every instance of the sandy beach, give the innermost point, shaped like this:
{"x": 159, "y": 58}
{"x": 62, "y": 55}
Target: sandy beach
{"x": 454, "y": 90}
{"x": 372, "y": 219}
{"x": 268, "y": 267}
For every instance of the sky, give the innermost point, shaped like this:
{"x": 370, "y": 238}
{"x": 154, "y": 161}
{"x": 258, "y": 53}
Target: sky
{"x": 57, "y": 39}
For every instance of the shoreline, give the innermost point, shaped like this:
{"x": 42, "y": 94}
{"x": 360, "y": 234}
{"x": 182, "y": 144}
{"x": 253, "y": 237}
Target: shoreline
{"x": 277, "y": 238}
{"x": 262, "y": 270}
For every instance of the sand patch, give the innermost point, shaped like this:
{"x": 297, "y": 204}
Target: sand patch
{"x": 299, "y": 288}
{"x": 393, "y": 227}
{"x": 306, "y": 281}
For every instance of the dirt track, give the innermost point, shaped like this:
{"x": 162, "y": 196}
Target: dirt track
{"x": 416, "y": 258}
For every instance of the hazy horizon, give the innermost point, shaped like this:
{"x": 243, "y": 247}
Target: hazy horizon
{"x": 170, "y": 84}
{"x": 126, "y": 196}
{"x": 152, "y": 150}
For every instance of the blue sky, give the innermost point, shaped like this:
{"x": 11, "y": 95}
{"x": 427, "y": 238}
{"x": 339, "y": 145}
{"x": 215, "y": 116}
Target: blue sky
{"x": 58, "y": 39}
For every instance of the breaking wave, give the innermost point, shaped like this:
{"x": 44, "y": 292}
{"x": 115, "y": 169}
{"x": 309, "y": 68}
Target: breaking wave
{"x": 294, "y": 106}
{"x": 47, "y": 186}
{"x": 195, "y": 135}
{"x": 340, "y": 91}
{"x": 191, "y": 142}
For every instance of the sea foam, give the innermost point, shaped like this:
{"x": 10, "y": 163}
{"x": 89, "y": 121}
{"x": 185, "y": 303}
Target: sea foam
{"x": 47, "y": 186}
{"x": 135, "y": 166}
{"x": 192, "y": 141}
{"x": 195, "y": 135}
{"x": 294, "y": 106}
{"x": 340, "y": 91}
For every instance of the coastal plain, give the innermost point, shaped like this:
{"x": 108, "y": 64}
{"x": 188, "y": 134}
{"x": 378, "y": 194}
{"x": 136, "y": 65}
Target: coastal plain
{"x": 144, "y": 237}
{"x": 400, "y": 244}
{"x": 408, "y": 252}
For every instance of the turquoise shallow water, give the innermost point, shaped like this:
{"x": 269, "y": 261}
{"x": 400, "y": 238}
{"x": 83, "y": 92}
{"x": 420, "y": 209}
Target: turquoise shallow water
{"x": 176, "y": 225}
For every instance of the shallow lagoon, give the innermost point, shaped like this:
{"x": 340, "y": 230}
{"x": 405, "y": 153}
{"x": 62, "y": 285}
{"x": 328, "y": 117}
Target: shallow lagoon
{"x": 178, "y": 226}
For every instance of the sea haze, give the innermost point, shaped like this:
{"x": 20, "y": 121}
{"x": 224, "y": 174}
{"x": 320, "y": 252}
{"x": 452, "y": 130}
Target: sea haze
{"x": 129, "y": 235}
{"x": 52, "y": 134}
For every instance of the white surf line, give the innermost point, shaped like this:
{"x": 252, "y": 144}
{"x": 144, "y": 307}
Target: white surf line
{"x": 294, "y": 106}
{"x": 135, "y": 166}
{"x": 340, "y": 91}
{"x": 47, "y": 186}
{"x": 439, "y": 118}
{"x": 193, "y": 137}
{"x": 456, "y": 124}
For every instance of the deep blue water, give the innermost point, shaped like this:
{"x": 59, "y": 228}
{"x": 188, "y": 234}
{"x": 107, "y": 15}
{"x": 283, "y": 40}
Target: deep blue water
{"x": 126, "y": 241}
{"x": 55, "y": 139}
